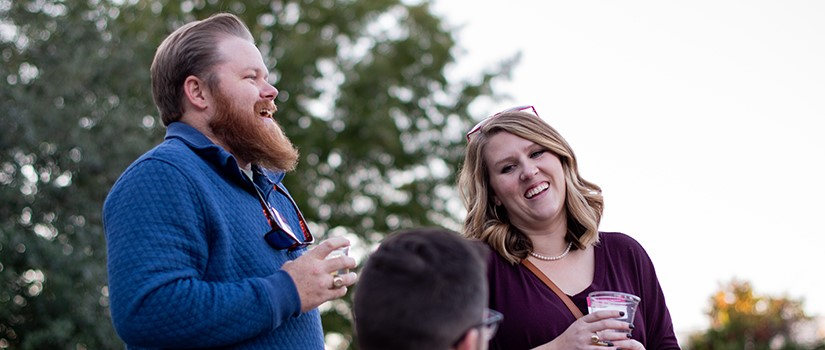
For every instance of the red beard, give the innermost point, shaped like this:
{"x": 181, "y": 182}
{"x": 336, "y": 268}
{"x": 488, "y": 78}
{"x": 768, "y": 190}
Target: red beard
{"x": 250, "y": 137}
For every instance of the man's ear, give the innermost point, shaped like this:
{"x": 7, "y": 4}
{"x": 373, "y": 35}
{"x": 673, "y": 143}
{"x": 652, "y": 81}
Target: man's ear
{"x": 469, "y": 341}
{"x": 196, "y": 93}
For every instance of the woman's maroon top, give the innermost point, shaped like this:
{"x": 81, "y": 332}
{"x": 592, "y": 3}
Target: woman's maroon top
{"x": 534, "y": 315}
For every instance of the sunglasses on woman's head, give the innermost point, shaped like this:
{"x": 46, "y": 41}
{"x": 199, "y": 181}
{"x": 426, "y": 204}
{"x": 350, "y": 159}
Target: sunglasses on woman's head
{"x": 485, "y": 120}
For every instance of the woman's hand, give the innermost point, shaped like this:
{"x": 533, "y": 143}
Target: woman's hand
{"x": 603, "y": 324}
{"x": 619, "y": 339}
{"x": 628, "y": 344}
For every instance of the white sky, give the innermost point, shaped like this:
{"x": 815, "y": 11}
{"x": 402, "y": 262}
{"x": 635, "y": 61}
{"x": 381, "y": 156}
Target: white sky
{"x": 700, "y": 120}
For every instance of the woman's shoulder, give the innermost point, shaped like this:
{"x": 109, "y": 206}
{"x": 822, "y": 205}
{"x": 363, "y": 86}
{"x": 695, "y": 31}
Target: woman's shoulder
{"x": 618, "y": 240}
{"x": 493, "y": 257}
{"x": 622, "y": 246}
{"x": 497, "y": 262}
{"x": 615, "y": 237}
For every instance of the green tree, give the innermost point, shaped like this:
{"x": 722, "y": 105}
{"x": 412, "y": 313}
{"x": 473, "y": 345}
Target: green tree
{"x": 68, "y": 114}
{"x": 363, "y": 95}
{"x": 742, "y": 319}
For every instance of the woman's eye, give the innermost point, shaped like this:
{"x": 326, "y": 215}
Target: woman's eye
{"x": 507, "y": 169}
{"x": 537, "y": 153}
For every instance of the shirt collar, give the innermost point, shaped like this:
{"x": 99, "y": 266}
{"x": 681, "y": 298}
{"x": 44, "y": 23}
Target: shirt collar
{"x": 212, "y": 153}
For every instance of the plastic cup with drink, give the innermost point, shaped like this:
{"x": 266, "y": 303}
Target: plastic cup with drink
{"x": 618, "y": 301}
{"x": 343, "y": 251}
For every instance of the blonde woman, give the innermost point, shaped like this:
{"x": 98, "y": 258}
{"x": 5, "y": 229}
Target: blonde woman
{"x": 525, "y": 199}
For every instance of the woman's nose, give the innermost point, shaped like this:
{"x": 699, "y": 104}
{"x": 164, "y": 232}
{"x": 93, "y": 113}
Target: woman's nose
{"x": 528, "y": 171}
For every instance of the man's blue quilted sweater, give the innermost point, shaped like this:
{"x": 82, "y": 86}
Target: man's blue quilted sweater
{"x": 188, "y": 264}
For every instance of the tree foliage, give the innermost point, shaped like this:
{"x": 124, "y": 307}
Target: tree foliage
{"x": 363, "y": 95}
{"x": 742, "y": 319}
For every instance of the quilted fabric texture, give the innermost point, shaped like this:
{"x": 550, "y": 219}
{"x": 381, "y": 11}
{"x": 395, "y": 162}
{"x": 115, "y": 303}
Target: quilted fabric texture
{"x": 188, "y": 264}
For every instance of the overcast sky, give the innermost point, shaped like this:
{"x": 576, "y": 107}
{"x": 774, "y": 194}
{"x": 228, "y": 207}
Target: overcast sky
{"x": 700, "y": 120}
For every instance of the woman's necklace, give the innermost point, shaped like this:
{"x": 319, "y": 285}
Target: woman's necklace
{"x": 552, "y": 258}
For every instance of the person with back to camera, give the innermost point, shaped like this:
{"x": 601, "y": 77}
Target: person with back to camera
{"x": 424, "y": 289}
{"x": 206, "y": 248}
{"x": 525, "y": 199}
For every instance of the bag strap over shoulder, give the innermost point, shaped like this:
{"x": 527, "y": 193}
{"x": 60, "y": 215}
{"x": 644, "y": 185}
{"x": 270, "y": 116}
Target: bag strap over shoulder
{"x": 570, "y": 305}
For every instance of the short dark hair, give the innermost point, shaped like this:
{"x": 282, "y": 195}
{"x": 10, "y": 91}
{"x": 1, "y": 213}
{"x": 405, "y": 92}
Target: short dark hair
{"x": 190, "y": 50}
{"x": 421, "y": 289}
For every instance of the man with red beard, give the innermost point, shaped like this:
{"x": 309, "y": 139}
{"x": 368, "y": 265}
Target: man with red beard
{"x": 206, "y": 247}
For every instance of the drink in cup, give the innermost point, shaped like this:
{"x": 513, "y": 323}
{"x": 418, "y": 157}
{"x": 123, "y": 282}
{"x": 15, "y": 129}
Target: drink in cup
{"x": 344, "y": 251}
{"x": 618, "y": 301}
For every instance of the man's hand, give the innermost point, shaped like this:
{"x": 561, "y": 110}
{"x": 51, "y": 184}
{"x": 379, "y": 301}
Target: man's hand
{"x": 313, "y": 275}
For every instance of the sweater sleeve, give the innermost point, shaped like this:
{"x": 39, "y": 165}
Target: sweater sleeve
{"x": 658, "y": 322}
{"x": 156, "y": 231}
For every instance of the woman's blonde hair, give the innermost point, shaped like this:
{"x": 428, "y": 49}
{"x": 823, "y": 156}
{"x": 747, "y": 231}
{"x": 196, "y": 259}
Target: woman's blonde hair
{"x": 488, "y": 223}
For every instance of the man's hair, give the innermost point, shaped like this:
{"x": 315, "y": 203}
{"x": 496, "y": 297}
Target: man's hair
{"x": 421, "y": 289}
{"x": 190, "y": 50}
{"x": 489, "y": 223}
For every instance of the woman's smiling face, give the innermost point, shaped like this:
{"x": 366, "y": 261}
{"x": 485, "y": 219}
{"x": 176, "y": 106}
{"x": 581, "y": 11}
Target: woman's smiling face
{"x": 527, "y": 179}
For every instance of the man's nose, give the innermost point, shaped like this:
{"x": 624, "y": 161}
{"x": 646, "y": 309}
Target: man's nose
{"x": 269, "y": 91}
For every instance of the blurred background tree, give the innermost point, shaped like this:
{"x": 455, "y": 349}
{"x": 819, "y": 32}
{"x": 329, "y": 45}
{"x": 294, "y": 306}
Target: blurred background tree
{"x": 364, "y": 96}
{"x": 741, "y": 319}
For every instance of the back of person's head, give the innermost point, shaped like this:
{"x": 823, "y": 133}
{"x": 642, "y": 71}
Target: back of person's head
{"x": 421, "y": 289}
{"x": 190, "y": 50}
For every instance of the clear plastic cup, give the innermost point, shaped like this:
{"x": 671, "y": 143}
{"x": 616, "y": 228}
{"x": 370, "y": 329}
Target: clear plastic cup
{"x": 336, "y": 253}
{"x": 607, "y": 300}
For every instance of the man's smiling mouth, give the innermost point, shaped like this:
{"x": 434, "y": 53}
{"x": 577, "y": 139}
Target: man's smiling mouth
{"x": 266, "y": 109}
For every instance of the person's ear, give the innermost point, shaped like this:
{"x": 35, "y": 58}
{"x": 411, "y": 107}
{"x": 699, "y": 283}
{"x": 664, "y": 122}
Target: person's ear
{"x": 496, "y": 201}
{"x": 196, "y": 92}
{"x": 469, "y": 341}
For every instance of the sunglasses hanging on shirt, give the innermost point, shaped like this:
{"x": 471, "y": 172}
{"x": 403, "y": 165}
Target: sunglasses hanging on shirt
{"x": 282, "y": 236}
